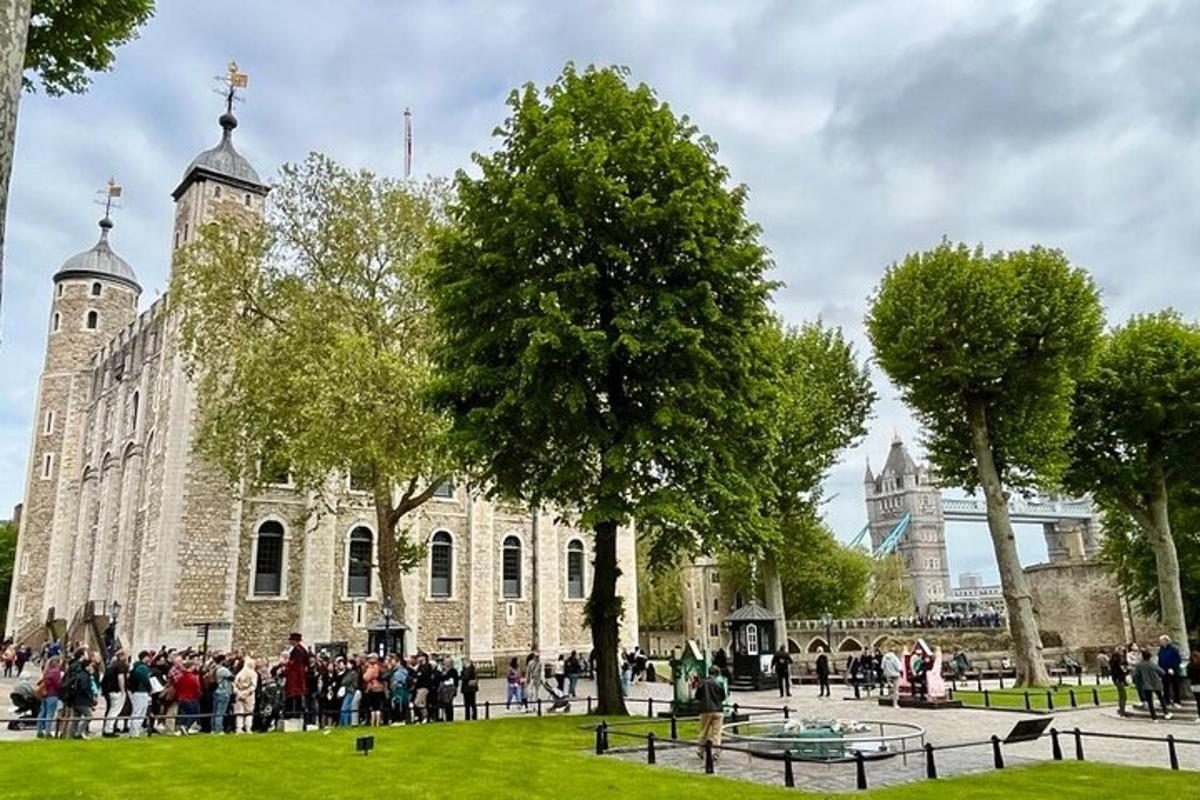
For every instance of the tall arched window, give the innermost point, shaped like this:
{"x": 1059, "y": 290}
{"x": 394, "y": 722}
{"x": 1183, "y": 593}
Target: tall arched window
{"x": 93, "y": 319}
{"x": 441, "y": 562}
{"x": 574, "y": 569}
{"x": 358, "y": 567}
{"x": 512, "y": 567}
{"x": 268, "y": 560}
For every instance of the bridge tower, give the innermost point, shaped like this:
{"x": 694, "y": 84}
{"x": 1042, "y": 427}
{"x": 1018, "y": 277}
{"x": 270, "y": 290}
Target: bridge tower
{"x": 904, "y": 487}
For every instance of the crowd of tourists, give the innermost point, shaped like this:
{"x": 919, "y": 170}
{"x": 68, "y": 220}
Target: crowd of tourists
{"x": 14, "y": 659}
{"x": 1154, "y": 676}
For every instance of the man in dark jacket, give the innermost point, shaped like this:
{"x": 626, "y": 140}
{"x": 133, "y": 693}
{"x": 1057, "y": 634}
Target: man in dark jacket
{"x": 822, "y": 672}
{"x": 781, "y": 665}
{"x": 710, "y": 698}
{"x": 1170, "y": 660}
{"x": 1152, "y": 684}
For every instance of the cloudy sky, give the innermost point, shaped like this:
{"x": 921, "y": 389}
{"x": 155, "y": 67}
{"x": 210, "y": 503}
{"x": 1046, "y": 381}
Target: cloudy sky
{"x": 864, "y": 130}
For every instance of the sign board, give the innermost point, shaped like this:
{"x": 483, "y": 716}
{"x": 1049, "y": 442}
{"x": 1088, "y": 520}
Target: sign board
{"x": 1027, "y": 730}
{"x": 364, "y": 744}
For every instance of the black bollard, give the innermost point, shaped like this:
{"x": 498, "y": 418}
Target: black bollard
{"x": 1078, "y": 745}
{"x": 1001, "y": 679}
{"x": 1055, "y": 746}
{"x": 599, "y": 741}
{"x": 1171, "y": 751}
{"x": 1026, "y": 699}
{"x": 735, "y": 711}
{"x": 487, "y": 709}
{"x": 1074, "y": 702}
{"x": 708, "y": 757}
{"x": 674, "y": 727}
{"x": 1095, "y": 696}
{"x": 997, "y": 755}
{"x": 650, "y": 707}
{"x": 979, "y": 681}
{"x": 589, "y": 701}
{"x": 787, "y": 712}
{"x": 1049, "y": 700}
{"x": 650, "y": 756}
{"x": 860, "y": 770}
{"x": 789, "y": 777}
{"x": 987, "y": 699}
{"x": 1079, "y": 678}
{"x": 539, "y": 706}
{"x": 930, "y": 764}
{"x": 1060, "y": 680}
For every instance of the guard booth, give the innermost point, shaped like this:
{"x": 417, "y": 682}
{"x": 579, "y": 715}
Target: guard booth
{"x": 752, "y": 629}
{"x": 386, "y": 636}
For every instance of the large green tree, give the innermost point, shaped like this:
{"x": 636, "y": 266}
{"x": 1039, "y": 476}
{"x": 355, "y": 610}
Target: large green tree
{"x": 55, "y": 43}
{"x": 1137, "y": 436}
{"x": 986, "y": 349}
{"x": 600, "y": 299}
{"x": 308, "y": 336}
{"x": 660, "y": 591}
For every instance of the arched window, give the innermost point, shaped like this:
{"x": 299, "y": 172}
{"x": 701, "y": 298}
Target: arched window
{"x": 751, "y": 639}
{"x": 441, "y": 555}
{"x": 512, "y": 567}
{"x": 93, "y": 319}
{"x": 268, "y": 560}
{"x": 134, "y": 404}
{"x": 96, "y": 289}
{"x": 56, "y": 323}
{"x": 358, "y": 568}
{"x": 575, "y": 569}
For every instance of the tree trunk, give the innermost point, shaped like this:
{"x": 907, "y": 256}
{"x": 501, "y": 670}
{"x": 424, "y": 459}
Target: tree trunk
{"x": 1022, "y": 623}
{"x": 14, "y": 32}
{"x": 390, "y": 571}
{"x": 1156, "y": 524}
{"x": 604, "y": 618}
{"x": 773, "y": 595}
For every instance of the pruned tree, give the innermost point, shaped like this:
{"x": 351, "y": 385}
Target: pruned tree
{"x": 599, "y": 301}
{"x": 55, "y": 44}
{"x": 986, "y": 349}
{"x": 1137, "y": 437}
{"x": 308, "y": 333}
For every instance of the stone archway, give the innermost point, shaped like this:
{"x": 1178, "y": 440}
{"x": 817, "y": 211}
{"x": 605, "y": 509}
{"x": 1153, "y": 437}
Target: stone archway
{"x": 815, "y": 643}
{"x": 849, "y": 645}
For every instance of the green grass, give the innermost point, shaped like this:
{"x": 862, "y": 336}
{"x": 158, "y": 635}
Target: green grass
{"x": 527, "y": 758}
{"x": 1015, "y": 698}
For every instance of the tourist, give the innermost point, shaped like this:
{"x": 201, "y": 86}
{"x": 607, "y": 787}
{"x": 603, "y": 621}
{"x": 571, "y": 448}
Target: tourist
{"x": 710, "y": 699}
{"x": 222, "y": 693}
{"x": 113, "y": 686}
{"x": 822, "y": 673}
{"x": 470, "y": 688}
{"x": 1193, "y": 676}
{"x": 10, "y": 658}
{"x": 374, "y": 691}
{"x": 295, "y": 684}
{"x": 245, "y": 685}
{"x": 48, "y": 687}
{"x": 400, "y": 691}
{"x": 781, "y": 665}
{"x": 23, "y": 656}
{"x": 919, "y": 671}
{"x": 1152, "y": 684}
{"x": 139, "y": 693}
{"x": 447, "y": 689}
{"x": 427, "y": 687}
{"x": 560, "y": 672}
{"x": 573, "y": 668}
{"x": 1102, "y": 663}
{"x": 533, "y": 678}
{"x": 626, "y": 676}
{"x": 1118, "y": 668}
{"x": 186, "y": 684}
{"x": 892, "y": 667}
{"x": 1170, "y": 659}
{"x": 512, "y": 684}
{"x": 78, "y": 694}
{"x": 349, "y": 687}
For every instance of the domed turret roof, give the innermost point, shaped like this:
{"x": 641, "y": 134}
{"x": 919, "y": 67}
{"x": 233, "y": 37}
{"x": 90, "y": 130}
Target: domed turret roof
{"x": 223, "y": 161}
{"x": 99, "y": 262}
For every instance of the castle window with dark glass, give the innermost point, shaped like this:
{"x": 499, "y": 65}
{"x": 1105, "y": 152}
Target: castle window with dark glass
{"x": 358, "y": 570}
{"x": 93, "y": 319}
{"x": 441, "y": 562}
{"x": 511, "y": 567}
{"x": 575, "y": 569}
{"x": 268, "y": 560}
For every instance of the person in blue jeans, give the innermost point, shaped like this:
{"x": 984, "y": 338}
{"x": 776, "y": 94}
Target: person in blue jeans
{"x": 221, "y": 694}
{"x": 513, "y": 689}
{"x": 51, "y": 682}
{"x": 347, "y": 691}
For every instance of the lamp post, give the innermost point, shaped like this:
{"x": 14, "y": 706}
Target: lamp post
{"x": 388, "y": 609}
{"x": 827, "y": 621}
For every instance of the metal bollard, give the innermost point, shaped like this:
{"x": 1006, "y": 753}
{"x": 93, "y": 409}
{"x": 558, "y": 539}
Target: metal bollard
{"x": 589, "y": 701}
{"x": 1055, "y": 746}
{"x": 1095, "y": 697}
{"x": 674, "y": 727}
{"x": 650, "y": 707}
{"x": 1078, "y": 745}
{"x": 1074, "y": 702}
{"x": 997, "y": 755}
{"x": 1001, "y": 679}
{"x": 930, "y": 764}
{"x": 1079, "y": 678}
{"x": 599, "y": 741}
{"x": 786, "y": 712}
{"x": 789, "y": 776}
{"x": 539, "y": 706}
{"x": 1174, "y": 756}
{"x": 979, "y": 682}
{"x": 650, "y": 755}
{"x": 708, "y": 757}
{"x": 1049, "y": 700}
{"x": 735, "y": 710}
{"x": 604, "y": 726}
{"x": 487, "y": 709}
{"x": 987, "y": 699}
{"x": 860, "y": 770}
{"x": 1027, "y": 700}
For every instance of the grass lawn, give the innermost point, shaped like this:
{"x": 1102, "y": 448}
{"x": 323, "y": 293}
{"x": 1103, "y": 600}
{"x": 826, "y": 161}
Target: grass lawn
{"x": 1015, "y": 698}
{"x": 526, "y": 758}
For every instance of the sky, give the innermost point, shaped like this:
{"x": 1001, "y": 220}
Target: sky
{"x": 864, "y": 131}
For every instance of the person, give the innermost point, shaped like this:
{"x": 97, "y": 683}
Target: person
{"x": 373, "y": 691}
{"x": 398, "y": 694}
{"x": 560, "y": 672}
{"x": 920, "y": 674}
{"x": 533, "y": 678}
{"x": 1193, "y": 676}
{"x": 710, "y": 700}
{"x": 447, "y": 689}
{"x": 512, "y": 684}
{"x": 245, "y": 685}
{"x": 295, "y": 684}
{"x": 425, "y": 704}
{"x": 113, "y": 686}
{"x": 781, "y": 665}
{"x": 822, "y": 673}
{"x": 892, "y": 668}
{"x": 187, "y": 694}
{"x": 1170, "y": 659}
{"x": 1102, "y": 661}
{"x": 347, "y": 690}
{"x": 83, "y": 692}
{"x": 1118, "y": 669}
{"x": 1133, "y": 654}
{"x": 221, "y": 694}
{"x": 48, "y": 687}
{"x": 470, "y": 689}
{"x": 10, "y": 658}
{"x": 139, "y": 693}
{"x": 574, "y": 668}
{"x": 1152, "y": 684}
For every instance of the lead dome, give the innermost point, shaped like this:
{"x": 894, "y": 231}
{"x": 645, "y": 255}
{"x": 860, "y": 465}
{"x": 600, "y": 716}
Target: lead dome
{"x": 99, "y": 261}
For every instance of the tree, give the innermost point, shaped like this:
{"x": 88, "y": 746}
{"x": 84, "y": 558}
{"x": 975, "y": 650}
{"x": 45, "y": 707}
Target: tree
{"x": 1137, "y": 436}
{"x": 599, "y": 301}
{"x": 985, "y": 349}
{"x": 60, "y": 42}
{"x": 660, "y": 592}
{"x": 889, "y": 590}
{"x": 8, "y": 557}
{"x": 308, "y": 334}
{"x": 820, "y": 398}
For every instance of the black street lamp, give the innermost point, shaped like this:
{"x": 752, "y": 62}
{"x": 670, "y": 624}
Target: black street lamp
{"x": 827, "y": 621}
{"x": 388, "y": 609}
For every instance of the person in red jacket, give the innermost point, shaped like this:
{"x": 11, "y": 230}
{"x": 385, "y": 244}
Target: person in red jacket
{"x": 187, "y": 694}
{"x": 295, "y": 683}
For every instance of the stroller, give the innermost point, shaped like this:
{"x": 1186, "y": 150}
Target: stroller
{"x": 26, "y": 706}
{"x": 268, "y": 707}
{"x": 559, "y": 699}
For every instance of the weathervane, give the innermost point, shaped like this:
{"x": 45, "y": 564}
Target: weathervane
{"x": 110, "y": 192}
{"x": 231, "y": 82}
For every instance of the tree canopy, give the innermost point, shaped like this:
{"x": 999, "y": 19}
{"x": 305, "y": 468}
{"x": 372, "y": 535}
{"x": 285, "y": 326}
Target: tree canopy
{"x": 599, "y": 301}
{"x": 68, "y": 39}
{"x": 308, "y": 336}
{"x": 986, "y": 350}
